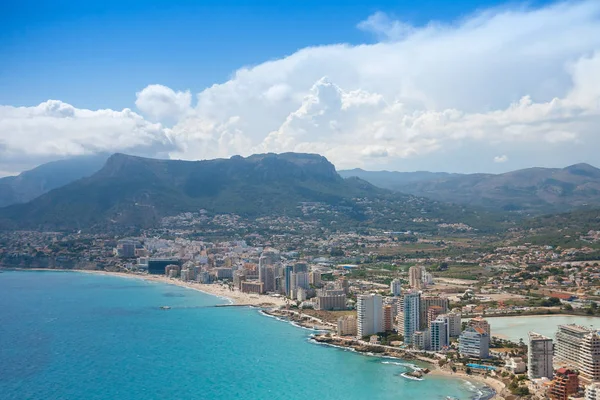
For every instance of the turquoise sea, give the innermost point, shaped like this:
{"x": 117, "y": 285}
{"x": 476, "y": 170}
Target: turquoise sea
{"x": 69, "y": 335}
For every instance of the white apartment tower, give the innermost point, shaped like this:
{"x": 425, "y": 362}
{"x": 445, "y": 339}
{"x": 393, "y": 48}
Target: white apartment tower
{"x": 369, "y": 314}
{"x": 539, "y": 356}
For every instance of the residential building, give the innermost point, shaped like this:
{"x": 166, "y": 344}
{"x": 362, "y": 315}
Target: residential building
{"x": 396, "y": 287}
{"x": 426, "y": 302}
{"x": 432, "y": 313}
{"x": 439, "y": 333}
{"x": 415, "y": 276}
{"x": 421, "y": 340}
{"x": 369, "y": 314}
{"x": 474, "y": 342}
{"x": 479, "y": 322}
{"x": 346, "y": 325}
{"x": 564, "y": 384}
{"x": 578, "y": 348}
{"x": 411, "y": 315}
{"x": 330, "y": 302}
{"x": 314, "y": 278}
{"x": 516, "y": 365}
{"x": 223, "y": 273}
{"x": 156, "y": 266}
{"x": 252, "y": 287}
{"x": 388, "y": 318}
{"x": 455, "y": 323}
{"x": 592, "y": 391}
{"x": 539, "y": 356}
{"x": 589, "y": 359}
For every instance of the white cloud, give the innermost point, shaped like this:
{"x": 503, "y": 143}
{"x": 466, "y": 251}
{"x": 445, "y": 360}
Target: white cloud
{"x": 53, "y": 129}
{"x": 160, "y": 102}
{"x": 386, "y": 28}
{"x": 501, "y": 159}
{"x": 518, "y": 81}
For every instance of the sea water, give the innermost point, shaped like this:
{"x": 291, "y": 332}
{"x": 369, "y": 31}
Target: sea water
{"x": 69, "y": 335}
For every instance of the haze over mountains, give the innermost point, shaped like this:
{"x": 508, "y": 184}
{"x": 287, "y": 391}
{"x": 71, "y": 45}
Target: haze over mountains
{"x": 35, "y": 182}
{"x": 531, "y": 190}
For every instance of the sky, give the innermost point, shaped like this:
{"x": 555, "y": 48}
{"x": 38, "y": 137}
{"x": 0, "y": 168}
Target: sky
{"x": 461, "y": 86}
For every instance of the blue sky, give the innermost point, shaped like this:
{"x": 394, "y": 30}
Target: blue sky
{"x": 97, "y": 54}
{"x": 457, "y": 86}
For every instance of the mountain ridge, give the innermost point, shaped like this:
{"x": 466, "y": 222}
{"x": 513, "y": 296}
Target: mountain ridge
{"x": 534, "y": 190}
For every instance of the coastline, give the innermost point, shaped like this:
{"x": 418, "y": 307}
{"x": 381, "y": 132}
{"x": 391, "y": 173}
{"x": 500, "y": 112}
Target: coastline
{"x": 237, "y": 298}
{"x": 234, "y": 297}
{"x": 496, "y": 385}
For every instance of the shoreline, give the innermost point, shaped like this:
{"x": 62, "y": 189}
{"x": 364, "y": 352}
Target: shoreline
{"x": 237, "y": 298}
{"x": 496, "y": 385}
{"x": 406, "y": 357}
{"x": 234, "y": 297}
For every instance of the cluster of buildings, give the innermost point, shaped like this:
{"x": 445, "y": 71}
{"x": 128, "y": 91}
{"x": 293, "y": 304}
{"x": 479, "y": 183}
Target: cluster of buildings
{"x": 568, "y": 367}
{"x": 425, "y": 322}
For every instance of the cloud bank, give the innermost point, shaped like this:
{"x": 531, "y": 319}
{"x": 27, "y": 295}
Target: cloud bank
{"x": 453, "y": 97}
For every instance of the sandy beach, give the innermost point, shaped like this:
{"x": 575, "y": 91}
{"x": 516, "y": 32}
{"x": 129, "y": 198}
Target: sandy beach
{"x": 233, "y": 296}
{"x": 491, "y": 382}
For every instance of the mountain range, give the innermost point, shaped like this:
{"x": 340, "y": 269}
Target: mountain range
{"x": 138, "y": 191}
{"x": 33, "y": 183}
{"x": 531, "y": 190}
{"x": 130, "y": 191}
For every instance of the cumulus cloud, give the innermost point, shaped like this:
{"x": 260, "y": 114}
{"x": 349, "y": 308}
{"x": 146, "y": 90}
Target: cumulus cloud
{"x": 501, "y": 159}
{"x": 160, "y": 102}
{"x": 53, "y": 129}
{"x": 444, "y": 96}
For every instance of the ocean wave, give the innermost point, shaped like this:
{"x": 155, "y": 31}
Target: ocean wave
{"x": 311, "y": 340}
{"x": 288, "y": 321}
{"x": 412, "y": 378}
{"x": 402, "y": 364}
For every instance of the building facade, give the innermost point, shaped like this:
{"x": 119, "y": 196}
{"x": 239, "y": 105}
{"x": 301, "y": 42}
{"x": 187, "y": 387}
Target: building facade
{"x": 564, "y": 384}
{"x": 474, "y": 342}
{"x": 396, "y": 287}
{"x": 369, "y": 314}
{"x": 346, "y": 325}
{"x": 440, "y": 333}
{"x": 411, "y": 315}
{"x": 540, "y": 352}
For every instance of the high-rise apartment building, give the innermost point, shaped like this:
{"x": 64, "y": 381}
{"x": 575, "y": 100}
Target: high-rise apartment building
{"x": 432, "y": 313}
{"x": 539, "y": 356}
{"x": 474, "y": 342}
{"x": 455, "y": 323}
{"x": 388, "y": 318}
{"x": 411, "y": 315}
{"x": 589, "y": 363}
{"x": 346, "y": 325}
{"x": 415, "y": 276}
{"x": 426, "y": 303}
{"x": 369, "y": 314}
{"x": 592, "y": 391}
{"x": 578, "y": 347}
{"x": 439, "y": 333}
{"x": 396, "y": 287}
